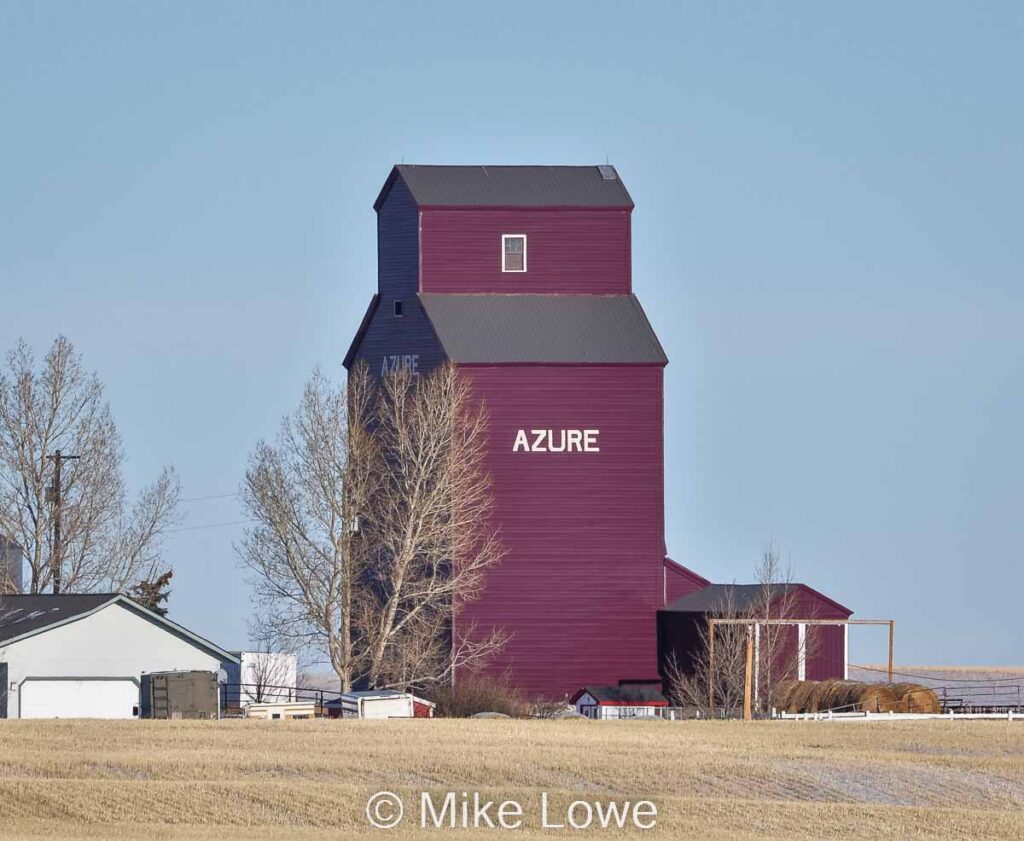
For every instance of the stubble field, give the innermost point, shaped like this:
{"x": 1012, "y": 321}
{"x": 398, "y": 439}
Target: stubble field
{"x": 304, "y": 780}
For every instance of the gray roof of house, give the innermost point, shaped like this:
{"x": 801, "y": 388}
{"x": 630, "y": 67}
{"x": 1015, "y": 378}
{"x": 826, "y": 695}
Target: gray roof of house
{"x": 596, "y": 329}
{"x": 21, "y": 614}
{"x": 718, "y": 598}
{"x": 512, "y": 186}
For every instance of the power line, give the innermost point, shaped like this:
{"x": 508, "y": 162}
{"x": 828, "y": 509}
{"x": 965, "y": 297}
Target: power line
{"x": 204, "y": 498}
{"x": 211, "y": 526}
{"x": 942, "y": 678}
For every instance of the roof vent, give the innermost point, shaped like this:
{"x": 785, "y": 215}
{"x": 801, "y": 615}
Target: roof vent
{"x": 608, "y": 172}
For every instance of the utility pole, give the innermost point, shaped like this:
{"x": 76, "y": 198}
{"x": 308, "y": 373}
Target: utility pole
{"x": 747, "y": 674}
{"x": 54, "y": 496}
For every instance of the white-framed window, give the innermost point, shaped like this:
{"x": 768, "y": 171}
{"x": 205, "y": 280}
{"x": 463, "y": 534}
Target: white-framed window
{"x": 513, "y": 252}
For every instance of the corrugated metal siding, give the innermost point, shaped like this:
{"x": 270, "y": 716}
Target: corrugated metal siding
{"x": 567, "y": 251}
{"x": 398, "y": 254}
{"x": 584, "y": 576}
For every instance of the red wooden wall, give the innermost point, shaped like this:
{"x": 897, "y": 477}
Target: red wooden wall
{"x": 584, "y": 576}
{"x": 567, "y": 251}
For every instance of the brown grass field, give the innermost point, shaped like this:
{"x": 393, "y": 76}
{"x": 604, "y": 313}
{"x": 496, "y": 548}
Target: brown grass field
{"x": 311, "y": 779}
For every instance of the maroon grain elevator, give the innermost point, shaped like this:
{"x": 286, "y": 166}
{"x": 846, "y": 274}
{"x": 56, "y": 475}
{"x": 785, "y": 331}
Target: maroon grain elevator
{"x": 521, "y": 276}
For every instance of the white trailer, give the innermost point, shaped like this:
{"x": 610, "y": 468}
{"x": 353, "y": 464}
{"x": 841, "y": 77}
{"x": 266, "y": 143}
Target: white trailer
{"x": 384, "y": 703}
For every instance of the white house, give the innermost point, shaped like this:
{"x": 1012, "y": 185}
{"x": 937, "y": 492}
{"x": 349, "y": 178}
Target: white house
{"x": 83, "y": 655}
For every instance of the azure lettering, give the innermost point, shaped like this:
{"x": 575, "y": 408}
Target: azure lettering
{"x": 408, "y": 362}
{"x": 556, "y": 441}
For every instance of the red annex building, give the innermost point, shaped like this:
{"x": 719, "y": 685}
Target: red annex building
{"x": 522, "y": 276}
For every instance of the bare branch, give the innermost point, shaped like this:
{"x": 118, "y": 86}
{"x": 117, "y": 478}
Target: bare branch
{"x": 107, "y": 543}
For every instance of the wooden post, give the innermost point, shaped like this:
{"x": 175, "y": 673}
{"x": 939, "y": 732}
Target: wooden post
{"x": 892, "y": 634}
{"x": 711, "y": 666}
{"x": 748, "y": 675}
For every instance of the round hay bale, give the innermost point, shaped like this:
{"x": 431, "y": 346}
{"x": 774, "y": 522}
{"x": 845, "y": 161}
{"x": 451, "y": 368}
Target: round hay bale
{"x": 804, "y": 698}
{"x": 813, "y": 696}
{"x": 915, "y": 698}
{"x": 782, "y": 694}
{"x": 490, "y": 715}
{"x": 841, "y": 696}
{"x": 569, "y": 714}
{"x": 872, "y": 698}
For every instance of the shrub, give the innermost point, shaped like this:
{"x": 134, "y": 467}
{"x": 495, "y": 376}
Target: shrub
{"x": 479, "y": 694}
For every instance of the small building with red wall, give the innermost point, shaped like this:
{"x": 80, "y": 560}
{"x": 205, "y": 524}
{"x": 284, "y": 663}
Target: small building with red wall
{"x": 805, "y": 651}
{"x": 522, "y": 277}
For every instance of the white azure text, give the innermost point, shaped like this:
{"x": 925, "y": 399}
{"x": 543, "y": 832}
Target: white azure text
{"x": 557, "y": 441}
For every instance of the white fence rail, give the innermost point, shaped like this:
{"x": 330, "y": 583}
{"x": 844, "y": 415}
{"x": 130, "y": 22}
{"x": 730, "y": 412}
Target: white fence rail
{"x": 891, "y": 716}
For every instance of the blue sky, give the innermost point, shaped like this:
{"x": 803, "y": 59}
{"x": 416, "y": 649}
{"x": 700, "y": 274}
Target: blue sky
{"x": 827, "y": 240}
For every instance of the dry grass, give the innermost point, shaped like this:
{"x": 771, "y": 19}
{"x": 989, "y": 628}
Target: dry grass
{"x": 305, "y": 780}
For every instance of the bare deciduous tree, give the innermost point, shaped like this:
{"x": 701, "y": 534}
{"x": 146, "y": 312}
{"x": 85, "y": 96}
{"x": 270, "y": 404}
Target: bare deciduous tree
{"x": 706, "y": 685}
{"x": 373, "y": 526}
{"x": 107, "y": 543}
{"x": 778, "y": 649}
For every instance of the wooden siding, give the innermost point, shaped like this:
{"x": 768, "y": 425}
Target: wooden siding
{"x": 583, "y": 578}
{"x": 398, "y": 252}
{"x": 568, "y": 251}
{"x": 390, "y": 339}
{"x": 680, "y": 581}
{"x": 826, "y": 652}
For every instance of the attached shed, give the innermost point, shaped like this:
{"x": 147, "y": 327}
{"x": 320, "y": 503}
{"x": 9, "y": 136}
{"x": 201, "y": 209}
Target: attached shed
{"x": 625, "y": 701}
{"x": 84, "y": 655}
{"x": 814, "y": 652}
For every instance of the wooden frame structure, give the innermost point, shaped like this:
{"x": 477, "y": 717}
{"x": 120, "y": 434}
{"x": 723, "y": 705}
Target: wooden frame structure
{"x": 748, "y": 670}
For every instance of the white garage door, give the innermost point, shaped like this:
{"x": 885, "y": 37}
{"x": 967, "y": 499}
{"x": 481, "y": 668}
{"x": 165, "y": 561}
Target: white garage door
{"x": 79, "y": 698}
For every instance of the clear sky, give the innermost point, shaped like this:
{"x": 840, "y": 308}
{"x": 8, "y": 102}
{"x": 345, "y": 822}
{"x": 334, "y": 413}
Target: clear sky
{"x": 827, "y": 239}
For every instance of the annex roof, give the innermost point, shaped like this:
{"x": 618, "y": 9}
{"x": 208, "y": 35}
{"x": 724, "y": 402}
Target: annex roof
{"x": 494, "y": 329}
{"x": 631, "y": 693}
{"x": 23, "y": 615}
{"x": 737, "y": 598}
{"x": 510, "y": 186}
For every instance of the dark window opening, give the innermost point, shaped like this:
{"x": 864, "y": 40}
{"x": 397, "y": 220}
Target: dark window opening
{"x": 398, "y": 308}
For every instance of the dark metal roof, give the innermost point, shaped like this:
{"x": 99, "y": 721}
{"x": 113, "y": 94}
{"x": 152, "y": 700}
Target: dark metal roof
{"x": 20, "y": 614}
{"x": 491, "y": 329}
{"x": 631, "y": 693}
{"x": 740, "y": 598}
{"x": 717, "y": 598}
{"x": 510, "y": 186}
{"x": 23, "y": 615}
